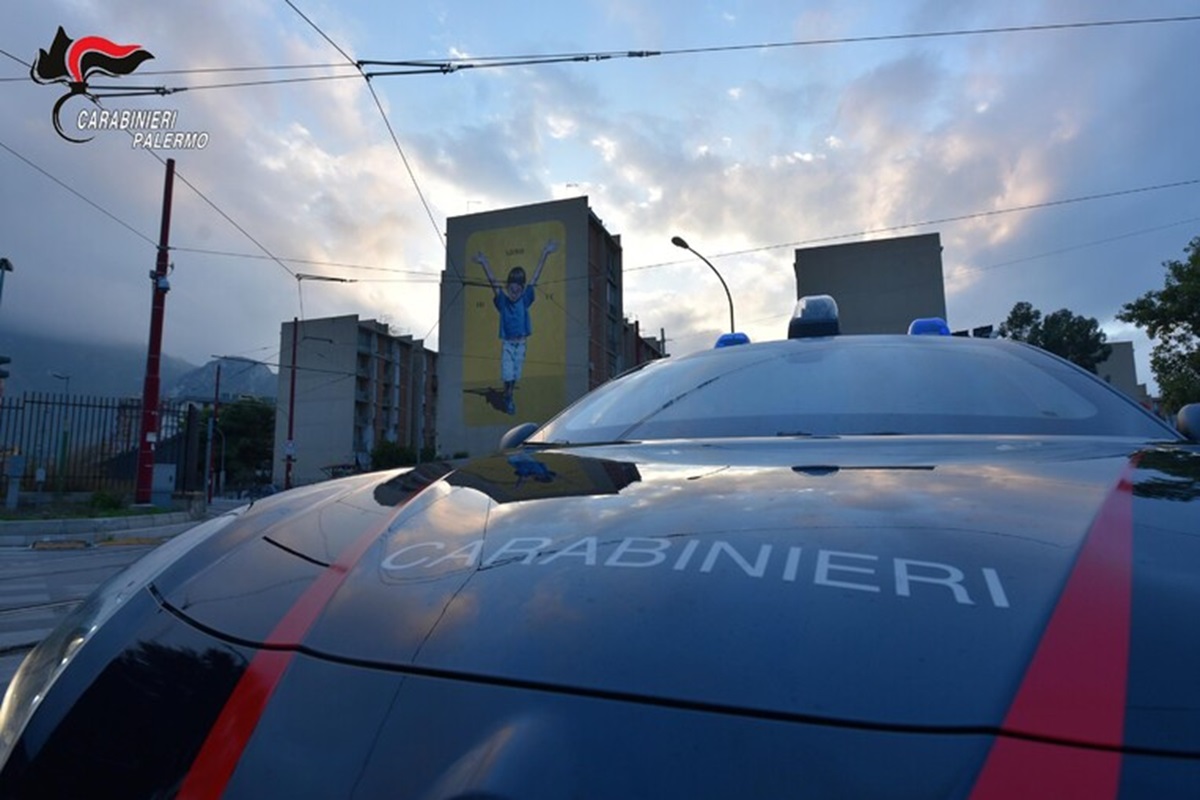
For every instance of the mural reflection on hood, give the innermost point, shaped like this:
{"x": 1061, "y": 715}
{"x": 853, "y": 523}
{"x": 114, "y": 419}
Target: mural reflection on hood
{"x": 509, "y": 478}
{"x": 524, "y": 476}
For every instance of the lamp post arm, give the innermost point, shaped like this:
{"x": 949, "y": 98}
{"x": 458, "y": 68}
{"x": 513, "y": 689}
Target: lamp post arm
{"x": 724, "y": 286}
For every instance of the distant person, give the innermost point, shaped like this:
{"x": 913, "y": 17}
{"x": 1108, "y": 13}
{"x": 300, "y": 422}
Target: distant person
{"x": 513, "y": 300}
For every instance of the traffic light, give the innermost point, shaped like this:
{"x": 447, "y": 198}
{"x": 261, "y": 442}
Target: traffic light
{"x": 3, "y": 372}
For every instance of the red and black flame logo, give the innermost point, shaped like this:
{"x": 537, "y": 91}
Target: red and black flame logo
{"x": 74, "y": 61}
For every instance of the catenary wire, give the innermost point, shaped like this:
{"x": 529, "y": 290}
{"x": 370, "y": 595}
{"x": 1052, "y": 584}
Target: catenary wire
{"x": 211, "y": 204}
{"x": 399, "y": 149}
{"x": 524, "y": 59}
{"x": 940, "y": 221}
{"x": 447, "y": 66}
{"x": 451, "y": 65}
{"x": 435, "y": 276}
{"x": 80, "y": 195}
{"x": 162, "y": 161}
{"x": 681, "y": 51}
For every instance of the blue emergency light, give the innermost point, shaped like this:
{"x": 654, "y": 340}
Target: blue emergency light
{"x": 816, "y": 315}
{"x": 929, "y": 326}
{"x": 731, "y": 339}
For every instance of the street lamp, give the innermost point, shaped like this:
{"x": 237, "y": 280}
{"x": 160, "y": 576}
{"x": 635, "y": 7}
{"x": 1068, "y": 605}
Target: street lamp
{"x": 65, "y": 435}
{"x": 63, "y": 377}
{"x": 678, "y": 241}
{"x": 5, "y": 266}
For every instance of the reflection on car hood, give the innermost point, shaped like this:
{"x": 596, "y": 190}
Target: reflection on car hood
{"x": 933, "y": 583}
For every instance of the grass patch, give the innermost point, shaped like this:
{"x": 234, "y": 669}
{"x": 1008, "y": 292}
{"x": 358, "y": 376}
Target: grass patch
{"x": 76, "y": 511}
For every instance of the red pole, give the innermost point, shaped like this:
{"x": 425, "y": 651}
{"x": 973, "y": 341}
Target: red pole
{"x": 150, "y": 389}
{"x": 290, "y": 446}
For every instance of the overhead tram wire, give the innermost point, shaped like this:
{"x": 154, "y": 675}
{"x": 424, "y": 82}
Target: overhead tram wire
{"x": 421, "y": 66}
{"x": 82, "y": 197}
{"x": 418, "y": 274}
{"x": 447, "y": 66}
{"x": 1083, "y": 246}
{"x": 214, "y": 70}
{"x": 942, "y": 221}
{"x": 226, "y": 217}
{"x": 70, "y": 189}
{"x": 310, "y": 262}
{"x": 395, "y": 141}
{"x": 452, "y": 65}
{"x": 455, "y": 65}
{"x": 96, "y": 100}
{"x": 211, "y": 204}
{"x": 434, "y": 277}
{"x": 1057, "y": 26}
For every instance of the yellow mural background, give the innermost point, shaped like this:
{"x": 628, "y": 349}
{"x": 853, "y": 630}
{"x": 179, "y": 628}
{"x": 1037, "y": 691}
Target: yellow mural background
{"x": 541, "y": 391}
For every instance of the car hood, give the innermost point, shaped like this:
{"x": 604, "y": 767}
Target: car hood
{"x": 941, "y": 584}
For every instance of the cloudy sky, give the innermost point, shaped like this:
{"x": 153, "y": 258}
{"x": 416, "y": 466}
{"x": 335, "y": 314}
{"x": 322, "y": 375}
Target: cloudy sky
{"x": 1059, "y": 165}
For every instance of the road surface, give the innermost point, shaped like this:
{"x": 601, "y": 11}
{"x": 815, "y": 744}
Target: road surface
{"x": 40, "y": 587}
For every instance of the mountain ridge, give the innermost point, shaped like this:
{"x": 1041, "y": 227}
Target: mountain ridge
{"x": 118, "y": 369}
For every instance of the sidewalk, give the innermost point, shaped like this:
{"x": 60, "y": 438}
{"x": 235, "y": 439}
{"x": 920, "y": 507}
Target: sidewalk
{"x": 88, "y": 532}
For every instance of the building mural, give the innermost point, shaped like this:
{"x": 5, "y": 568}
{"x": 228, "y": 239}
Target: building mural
{"x": 515, "y": 327}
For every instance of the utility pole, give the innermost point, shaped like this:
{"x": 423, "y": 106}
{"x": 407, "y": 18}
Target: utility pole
{"x": 64, "y": 435}
{"x": 290, "y": 446}
{"x": 5, "y": 266}
{"x": 212, "y": 423}
{"x": 150, "y": 389}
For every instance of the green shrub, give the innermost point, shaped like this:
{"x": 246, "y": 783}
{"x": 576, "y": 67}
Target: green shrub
{"x": 387, "y": 455}
{"x": 107, "y": 501}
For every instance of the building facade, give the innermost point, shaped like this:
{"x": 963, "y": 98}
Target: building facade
{"x": 880, "y": 286}
{"x": 345, "y": 386}
{"x": 1120, "y": 370}
{"x": 494, "y": 372}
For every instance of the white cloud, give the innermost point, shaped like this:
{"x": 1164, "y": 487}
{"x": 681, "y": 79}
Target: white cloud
{"x": 606, "y": 147}
{"x": 561, "y": 127}
{"x": 738, "y": 151}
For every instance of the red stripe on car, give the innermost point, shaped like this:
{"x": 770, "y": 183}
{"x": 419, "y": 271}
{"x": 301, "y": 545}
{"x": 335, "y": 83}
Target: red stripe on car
{"x": 222, "y": 749}
{"x": 1074, "y": 688}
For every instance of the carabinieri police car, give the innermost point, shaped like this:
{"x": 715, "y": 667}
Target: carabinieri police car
{"x": 828, "y": 566}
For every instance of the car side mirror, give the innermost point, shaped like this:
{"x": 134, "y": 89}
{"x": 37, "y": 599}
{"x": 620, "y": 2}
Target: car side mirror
{"x": 516, "y": 436}
{"x": 1188, "y": 421}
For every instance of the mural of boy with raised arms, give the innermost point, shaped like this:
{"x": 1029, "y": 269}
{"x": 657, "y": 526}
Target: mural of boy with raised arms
{"x": 512, "y": 301}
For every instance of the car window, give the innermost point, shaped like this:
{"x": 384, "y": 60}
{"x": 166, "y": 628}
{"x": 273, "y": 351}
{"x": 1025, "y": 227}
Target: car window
{"x": 851, "y": 386}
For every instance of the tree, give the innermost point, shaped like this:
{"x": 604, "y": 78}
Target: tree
{"x": 387, "y": 455}
{"x": 1171, "y": 317}
{"x": 248, "y": 426}
{"x": 1072, "y": 336}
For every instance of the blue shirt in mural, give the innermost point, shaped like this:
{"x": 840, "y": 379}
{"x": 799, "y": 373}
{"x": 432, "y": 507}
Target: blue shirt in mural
{"x": 514, "y": 314}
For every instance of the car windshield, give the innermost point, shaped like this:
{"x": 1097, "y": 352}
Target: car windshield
{"x": 853, "y": 385}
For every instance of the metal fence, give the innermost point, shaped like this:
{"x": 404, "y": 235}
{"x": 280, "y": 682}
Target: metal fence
{"x": 76, "y": 443}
